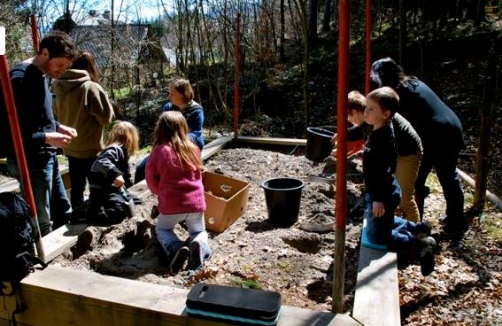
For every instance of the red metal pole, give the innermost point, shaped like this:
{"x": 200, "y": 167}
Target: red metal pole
{"x": 236, "y": 82}
{"x": 341, "y": 127}
{"x": 10, "y": 105}
{"x": 341, "y": 157}
{"x": 367, "y": 84}
{"x": 34, "y": 33}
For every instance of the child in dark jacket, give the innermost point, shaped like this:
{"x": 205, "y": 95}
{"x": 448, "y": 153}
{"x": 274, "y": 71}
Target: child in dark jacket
{"x": 174, "y": 174}
{"x": 409, "y": 149}
{"x": 383, "y": 193}
{"x": 110, "y": 174}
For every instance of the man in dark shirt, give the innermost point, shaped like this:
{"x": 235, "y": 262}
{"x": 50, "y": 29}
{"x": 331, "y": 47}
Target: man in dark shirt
{"x": 40, "y": 132}
{"x": 440, "y": 131}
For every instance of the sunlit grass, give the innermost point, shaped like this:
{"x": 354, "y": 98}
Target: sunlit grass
{"x": 493, "y": 226}
{"x": 122, "y": 93}
{"x": 246, "y": 283}
{"x": 489, "y": 221}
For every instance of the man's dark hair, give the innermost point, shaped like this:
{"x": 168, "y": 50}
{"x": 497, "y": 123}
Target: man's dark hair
{"x": 59, "y": 44}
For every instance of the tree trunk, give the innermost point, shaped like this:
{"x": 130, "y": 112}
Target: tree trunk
{"x": 301, "y": 8}
{"x": 312, "y": 25}
{"x": 402, "y": 30}
{"x": 482, "y": 158}
{"x": 327, "y": 16}
{"x": 283, "y": 33}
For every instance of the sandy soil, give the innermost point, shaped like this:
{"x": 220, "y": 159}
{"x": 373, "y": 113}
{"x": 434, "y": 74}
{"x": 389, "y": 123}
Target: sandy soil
{"x": 251, "y": 252}
{"x": 463, "y": 290}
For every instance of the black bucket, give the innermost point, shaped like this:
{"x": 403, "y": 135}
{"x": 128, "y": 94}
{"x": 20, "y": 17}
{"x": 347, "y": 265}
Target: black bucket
{"x": 283, "y": 200}
{"x": 318, "y": 143}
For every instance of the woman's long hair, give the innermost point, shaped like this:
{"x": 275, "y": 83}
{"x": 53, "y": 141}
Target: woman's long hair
{"x": 85, "y": 61}
{"x": 172, "y": 129}
{"x": 124, "y": 134}
{"x": 386, "y": 72}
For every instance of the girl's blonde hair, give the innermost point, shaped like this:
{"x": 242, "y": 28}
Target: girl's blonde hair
{"x": 124, "y": 134}
{"x": 172, "y": 128}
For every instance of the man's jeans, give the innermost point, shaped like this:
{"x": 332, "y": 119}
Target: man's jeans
{"x": 48, "y": 191}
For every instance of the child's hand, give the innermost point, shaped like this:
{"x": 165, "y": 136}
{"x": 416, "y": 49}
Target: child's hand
{"x": 333, "y": 140}
{"x": 118, "y": 182}
{"x": 378, "y": 209}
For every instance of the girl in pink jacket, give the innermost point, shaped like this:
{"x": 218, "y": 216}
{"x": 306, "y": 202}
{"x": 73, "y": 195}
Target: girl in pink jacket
{"x": 174, "y": 174}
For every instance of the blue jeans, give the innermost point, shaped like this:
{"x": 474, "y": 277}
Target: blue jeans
{"x": 79, "y": 173}
{"x": 403, "y": 240}
{"x": 196, "y": 230}
{"x": 379, "y": 229}
{"x": 139, "y": 175}
{"x": 52, "y": 205}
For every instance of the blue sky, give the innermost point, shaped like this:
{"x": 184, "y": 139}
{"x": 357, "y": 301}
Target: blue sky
{"x": 144, "y": 8}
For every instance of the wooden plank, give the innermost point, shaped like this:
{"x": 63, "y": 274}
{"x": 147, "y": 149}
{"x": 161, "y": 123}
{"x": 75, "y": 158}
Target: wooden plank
{"x": 81, "y": 298}
{"x": 376, "y": 301}
{"x": 61, "y": 239}
{"x": 214, "y": 146}
{"x": 13, "y": 185}
{"x": 272, "y": 141}
{"x": 9, "y": 186}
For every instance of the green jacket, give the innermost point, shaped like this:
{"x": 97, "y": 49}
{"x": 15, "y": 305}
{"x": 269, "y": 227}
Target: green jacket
{"x": 82, "y": 104}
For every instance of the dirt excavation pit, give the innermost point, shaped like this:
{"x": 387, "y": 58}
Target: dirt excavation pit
{"x": 296, "y": 261}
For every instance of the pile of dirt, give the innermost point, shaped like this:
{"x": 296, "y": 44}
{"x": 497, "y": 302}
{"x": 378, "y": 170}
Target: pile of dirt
{"x": 464, "y": 289}
{"x": 252, "y": 252}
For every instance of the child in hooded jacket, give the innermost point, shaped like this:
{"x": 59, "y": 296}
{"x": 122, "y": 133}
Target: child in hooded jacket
{"x": 174, "y": 174}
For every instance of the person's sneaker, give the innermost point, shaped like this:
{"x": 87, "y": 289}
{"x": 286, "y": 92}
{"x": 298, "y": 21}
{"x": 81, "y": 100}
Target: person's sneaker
{"x": 179, "y": 260}
{"x": 427, "y": 255}
{"x": 422, "y": 230}
{"x": 196, "y": 256}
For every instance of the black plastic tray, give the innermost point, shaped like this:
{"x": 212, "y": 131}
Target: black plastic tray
{"x": 226, "y": 302}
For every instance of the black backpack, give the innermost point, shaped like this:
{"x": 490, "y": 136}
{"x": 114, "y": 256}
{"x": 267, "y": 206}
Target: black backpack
{"x": 17, "y": 238}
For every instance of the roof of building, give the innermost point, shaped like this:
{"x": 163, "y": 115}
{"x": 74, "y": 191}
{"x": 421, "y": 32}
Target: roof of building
{"x": 134, "y": 43}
